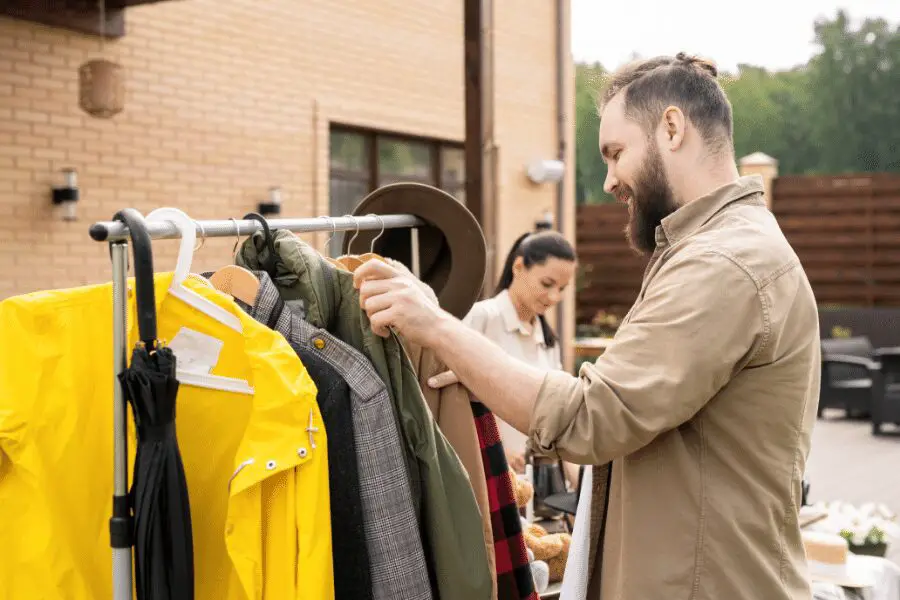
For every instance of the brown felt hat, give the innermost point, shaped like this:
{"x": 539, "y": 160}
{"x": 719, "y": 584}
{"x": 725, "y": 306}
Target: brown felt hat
{"x": 452, "y": 249}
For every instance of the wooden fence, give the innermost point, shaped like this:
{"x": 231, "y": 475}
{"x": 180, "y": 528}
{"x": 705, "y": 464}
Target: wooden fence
{"x": 610, "y": 274}
{"x": 845, "y": 230}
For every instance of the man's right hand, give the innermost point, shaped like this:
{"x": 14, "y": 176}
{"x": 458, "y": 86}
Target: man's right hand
{"x": 399, "y": 266}
{"x": 394, "y": 299}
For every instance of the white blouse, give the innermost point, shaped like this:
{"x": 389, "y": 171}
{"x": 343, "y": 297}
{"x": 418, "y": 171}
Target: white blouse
{"x": 496, "y": 318}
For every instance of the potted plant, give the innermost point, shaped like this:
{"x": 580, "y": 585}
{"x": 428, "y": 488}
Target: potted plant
{"x": 870, "y": 543}
{"x": 868, "y": 529}
{"x": 603, "y": 324}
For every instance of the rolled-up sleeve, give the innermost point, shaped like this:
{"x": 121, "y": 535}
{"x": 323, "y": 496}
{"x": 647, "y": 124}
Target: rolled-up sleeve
{"x": 701, "y": 320}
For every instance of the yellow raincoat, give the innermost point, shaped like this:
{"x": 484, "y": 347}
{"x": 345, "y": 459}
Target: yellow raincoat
{"x": 256, "y": 463}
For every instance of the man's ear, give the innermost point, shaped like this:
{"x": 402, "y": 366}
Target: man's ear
{"x": 673, "y": 128}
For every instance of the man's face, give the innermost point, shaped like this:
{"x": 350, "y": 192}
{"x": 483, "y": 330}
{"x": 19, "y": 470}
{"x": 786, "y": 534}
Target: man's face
{"x": 636, "y": 175}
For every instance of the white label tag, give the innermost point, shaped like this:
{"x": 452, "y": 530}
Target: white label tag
{"x": 196, "y": 352}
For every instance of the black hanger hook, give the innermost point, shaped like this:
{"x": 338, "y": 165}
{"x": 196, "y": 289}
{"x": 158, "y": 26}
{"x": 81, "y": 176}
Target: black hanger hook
{"x": 269, "y": 265}
{"x": 142, "y": 250}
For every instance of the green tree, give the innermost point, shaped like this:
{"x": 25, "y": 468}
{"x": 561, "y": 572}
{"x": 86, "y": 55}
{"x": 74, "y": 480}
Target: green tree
{"x": 856, "y": 78}
{"x": 590, "y": 170}
{"x": 771, "y": 115}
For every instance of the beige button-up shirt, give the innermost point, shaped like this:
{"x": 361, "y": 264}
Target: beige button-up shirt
{"x": 498, "y": 320}
{"x": 699, "y": 414}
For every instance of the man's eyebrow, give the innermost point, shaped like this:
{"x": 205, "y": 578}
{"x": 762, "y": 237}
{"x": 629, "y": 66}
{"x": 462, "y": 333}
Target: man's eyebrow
{"x": 606, "y": 150}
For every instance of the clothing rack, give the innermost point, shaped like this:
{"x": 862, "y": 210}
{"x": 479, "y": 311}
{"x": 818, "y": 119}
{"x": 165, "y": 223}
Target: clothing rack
{"x": 117, "y": 235}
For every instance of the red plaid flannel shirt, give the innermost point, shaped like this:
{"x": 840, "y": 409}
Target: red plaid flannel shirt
{"x": 514, "y": 580}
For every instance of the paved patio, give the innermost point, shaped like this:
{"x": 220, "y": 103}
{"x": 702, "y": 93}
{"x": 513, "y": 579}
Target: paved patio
{"x": 848, "y": 463}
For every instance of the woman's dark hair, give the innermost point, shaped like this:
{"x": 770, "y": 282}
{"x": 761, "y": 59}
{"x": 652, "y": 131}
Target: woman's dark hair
{"x": 535, "y": 249}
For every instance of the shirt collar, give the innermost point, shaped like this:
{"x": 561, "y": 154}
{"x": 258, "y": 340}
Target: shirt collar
{"x": 511, "y": 319}
{"x": 693, "y": 215}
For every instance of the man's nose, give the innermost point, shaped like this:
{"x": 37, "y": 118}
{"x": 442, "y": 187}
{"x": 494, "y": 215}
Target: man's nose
{"x": 610, "y": 183}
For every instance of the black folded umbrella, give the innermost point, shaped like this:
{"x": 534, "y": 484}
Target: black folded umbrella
{"x": 163, "y": 543}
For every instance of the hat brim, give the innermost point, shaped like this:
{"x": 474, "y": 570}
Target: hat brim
{"x": 452, "y": 248}
{"x": 855, "y": 575}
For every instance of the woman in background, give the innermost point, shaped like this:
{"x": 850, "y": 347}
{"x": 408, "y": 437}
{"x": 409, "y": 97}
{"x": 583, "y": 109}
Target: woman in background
{"x": 537, "y": 271}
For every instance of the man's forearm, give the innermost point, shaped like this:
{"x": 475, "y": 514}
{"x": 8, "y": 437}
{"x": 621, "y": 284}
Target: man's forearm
{"x": 506, "y": 386}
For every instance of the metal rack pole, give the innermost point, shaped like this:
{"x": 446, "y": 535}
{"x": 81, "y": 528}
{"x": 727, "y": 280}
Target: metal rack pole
{"x": 414, "y": 251}
{"x": 116, "y": 234}
{"x": 112, "y": 231}
{"x": 120, "y": 523}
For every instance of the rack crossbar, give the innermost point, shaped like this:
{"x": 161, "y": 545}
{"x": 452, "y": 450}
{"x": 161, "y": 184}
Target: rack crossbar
{"x": 114, "y": 231}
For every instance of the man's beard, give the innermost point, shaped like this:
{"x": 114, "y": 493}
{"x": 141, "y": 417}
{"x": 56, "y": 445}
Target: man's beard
{"x": 651, "y": 201}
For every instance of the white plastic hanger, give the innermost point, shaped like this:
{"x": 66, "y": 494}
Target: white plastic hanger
{"x": 188, "y": 232}
{"x": 183, "y": 267}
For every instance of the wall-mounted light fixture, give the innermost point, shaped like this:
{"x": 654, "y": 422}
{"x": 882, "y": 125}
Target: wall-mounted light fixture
{"x": 545, "y": 221}
{"x": 65, "y": 193}
{"x": 273, "y": 206}
{"x": 546, "y": 171}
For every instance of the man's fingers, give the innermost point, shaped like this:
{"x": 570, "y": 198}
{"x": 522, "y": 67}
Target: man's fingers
{"x": 374, "y": 287}
{"x": 382, "y": 321}
{"x": 374, "y": 303}
{"x": 443, "y": 380}
{"x": 373, "y": 269}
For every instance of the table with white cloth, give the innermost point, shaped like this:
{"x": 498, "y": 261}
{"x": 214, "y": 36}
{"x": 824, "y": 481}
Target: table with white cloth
{"x": 887, "y": 583}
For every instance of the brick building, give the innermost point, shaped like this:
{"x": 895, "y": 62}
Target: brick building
{"x": 226, "y": 100}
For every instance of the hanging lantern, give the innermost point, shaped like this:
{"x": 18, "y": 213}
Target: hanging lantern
{"x": 101, "y": 87}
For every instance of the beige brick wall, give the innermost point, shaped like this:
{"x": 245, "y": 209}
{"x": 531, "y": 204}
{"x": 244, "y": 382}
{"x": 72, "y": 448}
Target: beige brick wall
{"x": 226, "y": 99}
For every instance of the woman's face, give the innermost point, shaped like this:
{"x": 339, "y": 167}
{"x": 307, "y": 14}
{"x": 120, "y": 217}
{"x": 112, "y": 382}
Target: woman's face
{"x": 541, "y": 286}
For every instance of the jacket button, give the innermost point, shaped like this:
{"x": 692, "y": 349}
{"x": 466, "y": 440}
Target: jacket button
{"x": 319, "y": 343}
{"x": 301, "y": 452}
{"x": 271, "y": 465}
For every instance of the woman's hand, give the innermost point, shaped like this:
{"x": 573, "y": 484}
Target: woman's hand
{"x": 442, "y": 380}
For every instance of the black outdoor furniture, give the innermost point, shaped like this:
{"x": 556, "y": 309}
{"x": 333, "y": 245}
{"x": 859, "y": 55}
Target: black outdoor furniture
{"x": 851, "y": 377}
{"x": 886, "y": 406}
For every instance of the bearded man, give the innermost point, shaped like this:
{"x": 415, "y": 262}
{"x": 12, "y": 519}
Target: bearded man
{"x": 697, "y": 418}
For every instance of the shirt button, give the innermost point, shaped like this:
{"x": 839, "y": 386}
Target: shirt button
{"x": 319, "y": 343}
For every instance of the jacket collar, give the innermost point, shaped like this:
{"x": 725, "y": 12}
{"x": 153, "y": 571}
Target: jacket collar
{"x": 693, "y": 215}
{"x": 302, "y": 276}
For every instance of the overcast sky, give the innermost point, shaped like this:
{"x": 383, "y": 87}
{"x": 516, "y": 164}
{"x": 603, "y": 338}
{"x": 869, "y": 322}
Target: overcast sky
{"x": 778, "y": 35}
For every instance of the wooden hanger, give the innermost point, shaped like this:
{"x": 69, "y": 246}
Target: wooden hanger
{"x": 350, "y": 262}
{"x": 236, "y": 281}
{"x": 336, "y": 263}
